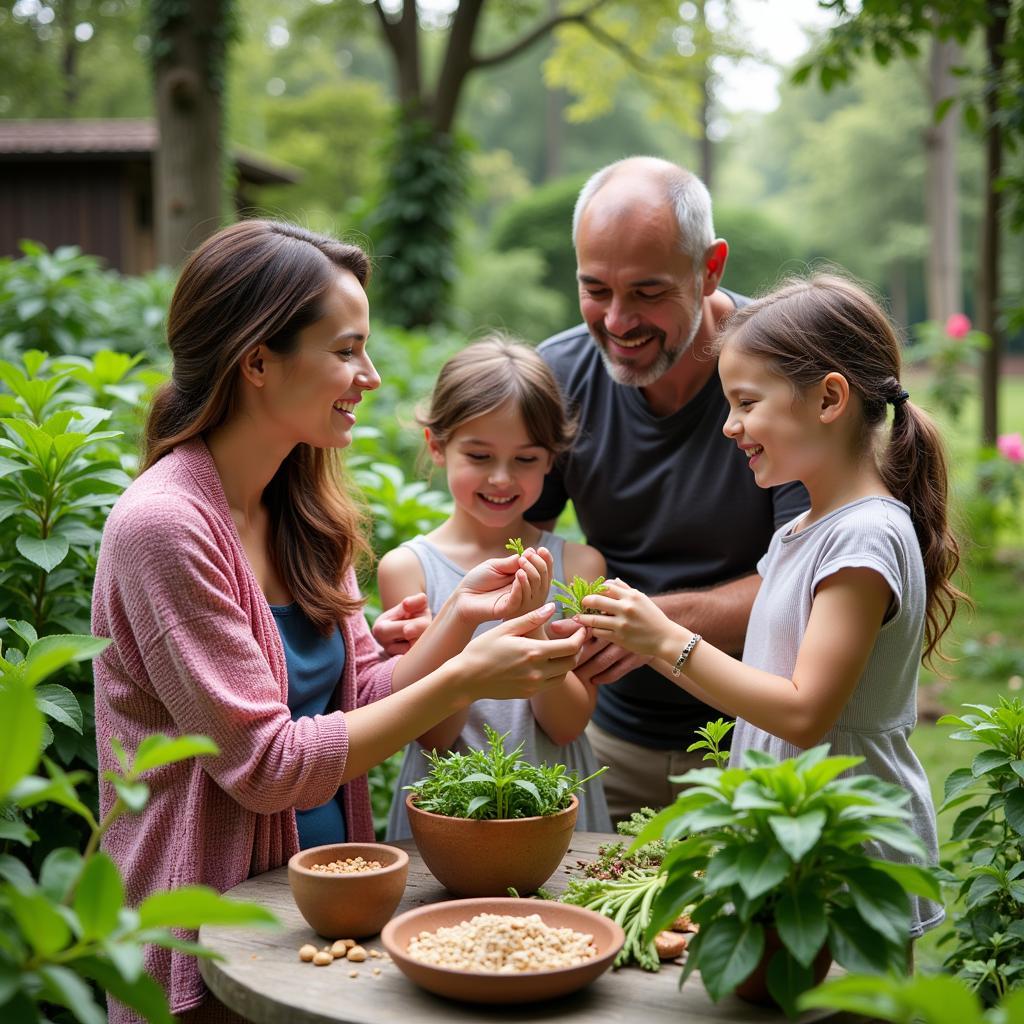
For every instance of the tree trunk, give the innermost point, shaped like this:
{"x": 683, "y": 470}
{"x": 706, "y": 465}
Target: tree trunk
{"x": 187, "y": 168}
{"x": 898, "y": 295}
{"x": 945, "y": 290}
{"x": 69, "y": 58}
{"x": 989, "y": 265}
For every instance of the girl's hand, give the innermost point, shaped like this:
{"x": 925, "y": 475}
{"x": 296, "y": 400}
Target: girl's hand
{"x": 397, "y": 629}
{"x": 504, "y": 588}
{"x": 630, "y": 619}
{"x": 506, "y": 662}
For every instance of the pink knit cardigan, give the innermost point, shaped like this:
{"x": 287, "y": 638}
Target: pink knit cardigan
{"x": 195, "y": 650}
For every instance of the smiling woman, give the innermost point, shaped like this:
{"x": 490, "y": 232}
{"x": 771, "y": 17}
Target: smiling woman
{"x": 226, "y": 582}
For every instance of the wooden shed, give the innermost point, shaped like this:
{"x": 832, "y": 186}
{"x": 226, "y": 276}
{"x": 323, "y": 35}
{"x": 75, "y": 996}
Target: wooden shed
{"x": 88, "y": 183}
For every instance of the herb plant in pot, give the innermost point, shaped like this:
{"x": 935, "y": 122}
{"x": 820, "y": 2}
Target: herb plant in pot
{"x": 773, "y": 858}
{"x": 487, "y": 821}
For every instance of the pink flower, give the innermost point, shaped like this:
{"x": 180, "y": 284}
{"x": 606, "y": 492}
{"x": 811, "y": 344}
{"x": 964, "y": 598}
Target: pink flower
{"x": 957, "y": 326}
{"x": 1011, "y": 446}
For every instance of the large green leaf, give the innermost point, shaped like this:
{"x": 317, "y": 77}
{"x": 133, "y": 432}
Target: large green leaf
{"x": 99, "y": 896}
{"x": 787, "y": 980}
{"x": 989, "y": 760}
{"x": 194, "y": 905}
{"x": 912, "y": 878}
{"x": 881, "y": 901}
{"x": 798, "y": 835}
{"x": 854, "y": 945}
{"x": 51, "y": 653}
{"x": 63, "y": 986}
{"x": 46, "y": 552}
{"x": 762, "y": 867}
{"x": 21, "y": 733}
{"x": 1014, "y": 810}
{"x": 729, "y": 952}
{"x": 59, "y": 872}
{"x": 801, "y": 921}
{"x": 141, "y": 993}
{"x": 157, "y": 750}
{"x": 59, "y": 703}
{"x": 44, "y": 929}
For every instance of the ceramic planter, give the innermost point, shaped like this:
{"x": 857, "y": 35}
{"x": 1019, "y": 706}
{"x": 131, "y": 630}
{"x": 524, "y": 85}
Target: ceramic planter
{"x": 484, "y": 858}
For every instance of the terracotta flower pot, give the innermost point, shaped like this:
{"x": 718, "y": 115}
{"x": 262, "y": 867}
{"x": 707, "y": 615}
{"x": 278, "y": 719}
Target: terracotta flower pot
{"x": 348, "y": 906}
{"x": 755, "y": 988}
{"x": 484, "y": 858}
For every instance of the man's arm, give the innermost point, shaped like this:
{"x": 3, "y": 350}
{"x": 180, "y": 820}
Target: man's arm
{"x": 719, "y": 614}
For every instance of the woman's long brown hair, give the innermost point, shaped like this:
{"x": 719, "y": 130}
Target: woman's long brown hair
{"x": 811, "y": 327}
{"x": 261, "y": 283}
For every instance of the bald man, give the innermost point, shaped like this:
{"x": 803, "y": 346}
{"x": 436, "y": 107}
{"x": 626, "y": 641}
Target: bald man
{"x": 657, "y": 488}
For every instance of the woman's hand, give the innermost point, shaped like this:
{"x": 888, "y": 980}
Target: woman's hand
{"x": 629, "y": 618}
{"x": 398, "y": 628}
{"x": 504, "y": 588}
{"x": 505, "y": 662}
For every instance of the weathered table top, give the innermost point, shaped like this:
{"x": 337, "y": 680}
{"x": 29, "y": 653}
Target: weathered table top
{"x": 263, "y": 979}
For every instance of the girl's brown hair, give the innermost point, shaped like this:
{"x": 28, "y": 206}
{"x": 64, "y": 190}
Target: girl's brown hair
{"x": 811, "y": 327}
{"x": 261, "y": 283}
{"x": 484, "y": 376}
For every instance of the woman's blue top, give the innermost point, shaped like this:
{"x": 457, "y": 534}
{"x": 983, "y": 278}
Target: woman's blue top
{"x": 315, "y": 663}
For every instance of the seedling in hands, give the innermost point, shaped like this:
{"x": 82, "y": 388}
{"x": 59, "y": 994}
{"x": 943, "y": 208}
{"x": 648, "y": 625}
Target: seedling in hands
{"x": 515, "y": 545}
{"x": 573, "y": 593}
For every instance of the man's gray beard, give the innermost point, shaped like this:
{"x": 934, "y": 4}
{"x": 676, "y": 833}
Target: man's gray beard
{"x": 665, "y": 360}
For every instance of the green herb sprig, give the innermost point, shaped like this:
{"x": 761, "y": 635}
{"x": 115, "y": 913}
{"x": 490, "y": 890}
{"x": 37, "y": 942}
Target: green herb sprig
{"x": 712, "y": 735}
{"x": 515, "y": 546}
{"x": 493, "y": 783}
{"x": 572, "y": 594}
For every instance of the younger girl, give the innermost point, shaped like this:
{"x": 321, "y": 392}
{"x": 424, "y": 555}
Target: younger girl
{"x": 496, "y": 422}
{"x": 851, "y": 588}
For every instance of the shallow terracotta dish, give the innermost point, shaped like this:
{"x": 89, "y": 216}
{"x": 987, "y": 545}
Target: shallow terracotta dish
{"x": 486, "y": 858}
{"x": 348, "y": 906}
{"x": 488, "y": 986}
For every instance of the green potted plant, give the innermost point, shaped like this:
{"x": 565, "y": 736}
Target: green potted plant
{"x": 486, "y": 821}
{"x": 774, "y": 865}
{"x": 988, "y": 858}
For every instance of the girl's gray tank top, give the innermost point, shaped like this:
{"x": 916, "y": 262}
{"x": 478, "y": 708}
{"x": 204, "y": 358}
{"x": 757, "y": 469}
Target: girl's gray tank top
{"x": 514, "y": 717}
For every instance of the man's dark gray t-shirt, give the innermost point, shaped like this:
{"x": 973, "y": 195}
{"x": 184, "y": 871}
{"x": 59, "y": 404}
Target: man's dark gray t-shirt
{"x": 671, "y": 504}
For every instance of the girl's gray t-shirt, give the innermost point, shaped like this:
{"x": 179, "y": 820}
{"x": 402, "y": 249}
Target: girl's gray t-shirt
{"x": 514, "y": 717}
{"x": 875, "y": 533}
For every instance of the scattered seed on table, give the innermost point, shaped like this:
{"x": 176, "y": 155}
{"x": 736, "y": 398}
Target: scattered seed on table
{"x": 375, "y": 954}
{"x": 322, "y": 959}
{"x": 376, "y": 971}
{"x": 307, "y": 952}
{"x": 357, "y": 954}
{"x": 338, "y": 949}
{"x": 353, "y": 974}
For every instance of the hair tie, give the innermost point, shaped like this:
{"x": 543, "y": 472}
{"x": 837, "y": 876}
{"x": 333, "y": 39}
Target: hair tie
{"x": 901, "y": 397}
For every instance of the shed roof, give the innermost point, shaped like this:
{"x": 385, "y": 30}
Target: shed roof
{"x": 119, "y": 136}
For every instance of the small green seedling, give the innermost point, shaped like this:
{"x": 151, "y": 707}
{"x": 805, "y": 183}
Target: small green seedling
{"x": 515, "y": 545}
{"x": 712, "y": 735}
{"x": 572, "y": 594}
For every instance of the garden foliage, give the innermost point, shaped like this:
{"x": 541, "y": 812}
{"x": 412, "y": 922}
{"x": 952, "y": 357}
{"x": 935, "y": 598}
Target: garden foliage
{"x": 780, "y": 845}
{"x": 65, "y": 927}
{"x": 988, "y": 841}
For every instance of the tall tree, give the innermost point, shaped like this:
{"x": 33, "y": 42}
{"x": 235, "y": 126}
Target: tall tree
{"x": 991, "y": 103}
{"x": 189, "y": 49}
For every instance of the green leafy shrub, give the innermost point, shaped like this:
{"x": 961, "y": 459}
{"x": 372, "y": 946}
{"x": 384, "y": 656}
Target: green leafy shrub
{"x": 988, "y": 837}
{"x": 65, "y": 302}
{"x": 779, "y": 845}
{"x": 491, "y": 783}
{"x": 542, "y": 221}
{"x": 920, "y": 999}
{"x": 66, "y": 928}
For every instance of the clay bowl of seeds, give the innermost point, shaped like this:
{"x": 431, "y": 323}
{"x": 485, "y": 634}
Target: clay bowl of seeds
{"x": 502, "y": 950}
{"x": 348, "y": 889}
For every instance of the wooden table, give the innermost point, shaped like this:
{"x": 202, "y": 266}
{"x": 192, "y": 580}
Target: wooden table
{"x": 263, "y": 979}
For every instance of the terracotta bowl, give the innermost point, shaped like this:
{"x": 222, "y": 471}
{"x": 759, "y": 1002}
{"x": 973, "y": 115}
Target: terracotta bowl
{"x": 349, "y": 906}
{"x": 755, "y": 988}
{"x": 488, "y": 986}
{"x": 485, "y": 858}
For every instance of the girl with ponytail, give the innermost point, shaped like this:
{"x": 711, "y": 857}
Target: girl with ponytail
{"x": 855, "y": 590}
